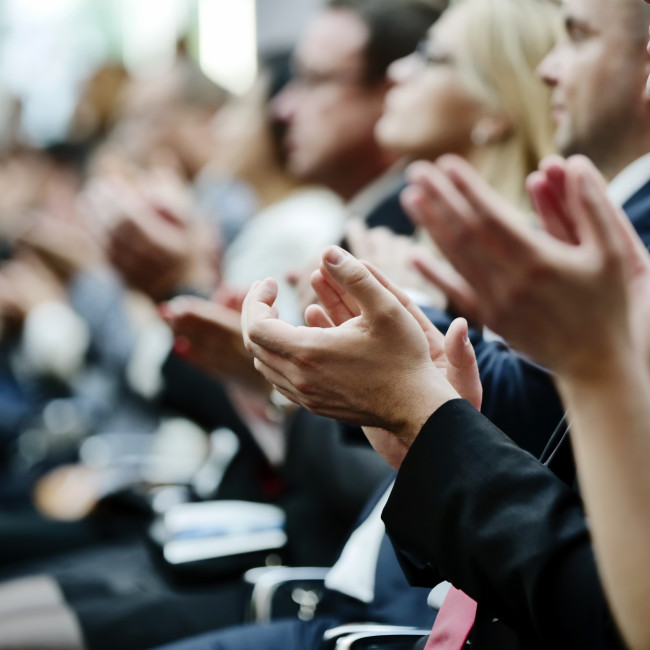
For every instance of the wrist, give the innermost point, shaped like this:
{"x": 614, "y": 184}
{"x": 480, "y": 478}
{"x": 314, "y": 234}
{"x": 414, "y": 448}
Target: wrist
{"x": 420, "y": 403}
{"x": 613, "y": 373}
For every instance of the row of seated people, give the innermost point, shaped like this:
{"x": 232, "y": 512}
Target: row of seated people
{"x": 356, "y": 106}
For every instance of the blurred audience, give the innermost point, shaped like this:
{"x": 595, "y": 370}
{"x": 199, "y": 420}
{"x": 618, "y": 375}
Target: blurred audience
{"x": 136, "y": 324}
{"x": 477, "y": 231}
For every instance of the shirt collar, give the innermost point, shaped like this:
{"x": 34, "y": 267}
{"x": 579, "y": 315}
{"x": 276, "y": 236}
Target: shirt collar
{"x": 374, "y": 193}
{"x": 628, "y": 182}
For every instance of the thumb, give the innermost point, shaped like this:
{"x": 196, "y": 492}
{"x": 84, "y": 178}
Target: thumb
{"x": 259, "y": 304}
{"x": 462, "y": 369}
{"x": 353, "y": 276}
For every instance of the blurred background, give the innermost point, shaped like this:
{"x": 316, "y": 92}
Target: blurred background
{"x": 49, "y": 49}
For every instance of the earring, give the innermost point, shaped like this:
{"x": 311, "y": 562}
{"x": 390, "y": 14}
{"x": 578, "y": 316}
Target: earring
{"x": 479, "y": 136}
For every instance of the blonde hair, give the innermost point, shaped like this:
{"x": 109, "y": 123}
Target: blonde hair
{"x": 504, "y": 42}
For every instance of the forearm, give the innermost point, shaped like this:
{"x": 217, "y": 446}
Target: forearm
{"x": 611, "y": 438}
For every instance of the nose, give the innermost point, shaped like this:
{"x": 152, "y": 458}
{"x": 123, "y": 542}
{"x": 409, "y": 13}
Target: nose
{"x": 547, "y": 70}
{"x": 284, "y": 104}
{"x": 402, "y": 70}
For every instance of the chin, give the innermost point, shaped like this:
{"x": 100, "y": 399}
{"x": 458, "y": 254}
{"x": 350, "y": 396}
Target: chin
{"x": 390, "y": 140}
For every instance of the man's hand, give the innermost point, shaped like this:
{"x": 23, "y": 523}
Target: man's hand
{"x": 157, "y": 250}
{"x": 452, "y": 354}
{"x": 374, "y": 369}
{"x": 461, "y": 298}
{"x": 25, "y": 283}
{"x": 393, "y": 254}
{"x": 563, "y": 298}
{"x": 209, "y": 335}
{"x": 66, "y": 246}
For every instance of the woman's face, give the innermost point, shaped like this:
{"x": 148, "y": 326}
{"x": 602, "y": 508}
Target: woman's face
{"x": 242, "y": 135}
{"x": 429, "y": 111}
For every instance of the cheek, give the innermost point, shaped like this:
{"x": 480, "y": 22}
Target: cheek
{"x": 346, "y": 119}
{"x": 447, "y": 125}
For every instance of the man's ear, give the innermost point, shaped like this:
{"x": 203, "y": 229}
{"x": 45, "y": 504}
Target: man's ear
{"x": 491, "y": 129}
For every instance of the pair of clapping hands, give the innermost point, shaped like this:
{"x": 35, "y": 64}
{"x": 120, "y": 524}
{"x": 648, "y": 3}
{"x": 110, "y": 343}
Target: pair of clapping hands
{"x": 575, "y": 297}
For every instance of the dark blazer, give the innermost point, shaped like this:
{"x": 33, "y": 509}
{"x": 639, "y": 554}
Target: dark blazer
{"x": 389, "y": 214}
{"x": 472, "y": 507}
{"x": 637, "y": 209}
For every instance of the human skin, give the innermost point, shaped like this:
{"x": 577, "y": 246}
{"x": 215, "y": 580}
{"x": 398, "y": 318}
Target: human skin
{"x": 581, "y": 303}
{"x": 384, "y": 367}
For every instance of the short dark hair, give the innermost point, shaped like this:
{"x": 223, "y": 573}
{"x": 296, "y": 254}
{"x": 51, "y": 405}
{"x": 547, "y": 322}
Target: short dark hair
{"x": 277, "y": 67}
{"x": 395, "y": 28}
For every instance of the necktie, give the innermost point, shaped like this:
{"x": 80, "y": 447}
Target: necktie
{"x": 453, "y": 623}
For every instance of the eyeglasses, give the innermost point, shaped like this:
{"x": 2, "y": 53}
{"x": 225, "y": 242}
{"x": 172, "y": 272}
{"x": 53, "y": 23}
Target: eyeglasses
{"x": 311, "y": 79}
{"x": 425, "y": 57}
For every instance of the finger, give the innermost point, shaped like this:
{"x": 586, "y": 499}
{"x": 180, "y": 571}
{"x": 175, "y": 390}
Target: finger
{"x": 447, "y": 204}
{"x": 555, "y": 169}
{"x": 619, "y": 230}
{"x": 462, "y": 370}
{"x": 244, "y": 314}
{"x": 459, "y": 249}
{"x": 550, "y": 208}
{"x": 460, "y": 296}
{"x": 352, "y": 276}
{"x": 315, "y": 316}
{"x": 587, "y": 198}
{"x": 274, "y": 378}
{"x": 471, "y": 240}
{"x": 423, "y": 211}
{"x": 277, "y": 362}
{"x": 434, "y": 335}
{"x": 339, "y": 306}
{"x": 215, "y": 329}
{"x": 263, "y": 331}
{"x": 490, "y": 219}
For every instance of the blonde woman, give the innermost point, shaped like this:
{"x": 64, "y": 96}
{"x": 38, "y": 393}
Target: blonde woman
{"x": 471, "y": 89}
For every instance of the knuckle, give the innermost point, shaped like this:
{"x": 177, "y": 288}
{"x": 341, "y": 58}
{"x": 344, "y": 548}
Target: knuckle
{"x": 305, "y": 387}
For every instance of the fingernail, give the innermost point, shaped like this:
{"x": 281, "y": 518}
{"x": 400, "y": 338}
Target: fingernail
{"x": 182, "y": 345}
{"x": 335, "y": 255}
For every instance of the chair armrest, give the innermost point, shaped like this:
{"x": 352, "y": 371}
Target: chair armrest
{"x": 274, "y": 587}
{"x": 395, "y": 640}
{"x": 335, "y": 634}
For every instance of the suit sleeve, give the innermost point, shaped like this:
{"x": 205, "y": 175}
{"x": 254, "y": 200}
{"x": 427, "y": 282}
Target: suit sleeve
{"x": 472, "y": 507}
{"x": 519, "y": 396}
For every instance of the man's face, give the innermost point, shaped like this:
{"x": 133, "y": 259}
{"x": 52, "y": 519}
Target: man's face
{"x": 597, "y": 73}
{"x": 329, "y": 110}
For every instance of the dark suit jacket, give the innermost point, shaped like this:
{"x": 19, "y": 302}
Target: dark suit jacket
{"x": 637, "y": 209}
{"x": 472, "y": 507}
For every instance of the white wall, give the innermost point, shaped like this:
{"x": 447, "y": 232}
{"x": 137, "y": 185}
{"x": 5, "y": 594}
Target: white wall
{"x": 280, "y": 22}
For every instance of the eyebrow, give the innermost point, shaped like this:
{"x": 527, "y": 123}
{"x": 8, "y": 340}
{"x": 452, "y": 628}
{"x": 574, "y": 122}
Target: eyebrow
{"x": 573, "y": 22}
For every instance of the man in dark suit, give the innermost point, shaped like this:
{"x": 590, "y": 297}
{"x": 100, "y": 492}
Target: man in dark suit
{"x": 598, "y": 102}
{"x": 472, "y": 507}
{"x": 469, "y": 505}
